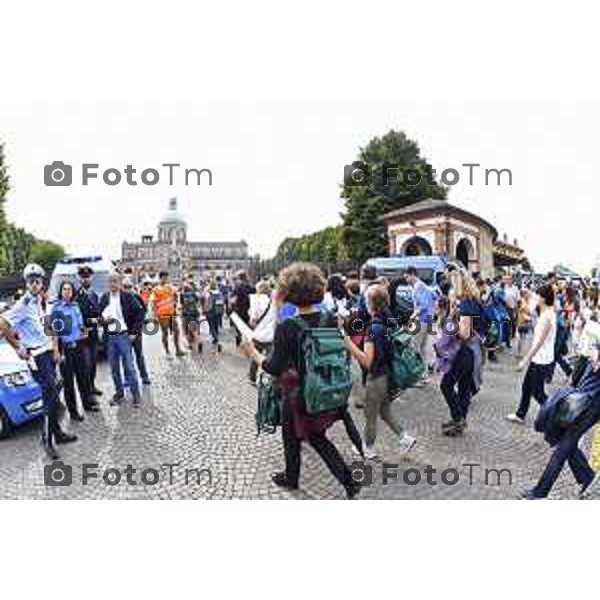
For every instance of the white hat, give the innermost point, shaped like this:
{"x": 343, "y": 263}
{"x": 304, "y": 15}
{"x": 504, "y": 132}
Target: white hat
{"x": 33, "y": 270}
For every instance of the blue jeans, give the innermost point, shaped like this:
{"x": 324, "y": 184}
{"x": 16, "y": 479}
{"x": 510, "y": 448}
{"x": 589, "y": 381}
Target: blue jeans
{"x": 214, "y": 320}
{"x": 567, "y": 450}
{"x": 457, "y": 384}
{"x": 118, "y": 348}
{"x": 139, "y": 358}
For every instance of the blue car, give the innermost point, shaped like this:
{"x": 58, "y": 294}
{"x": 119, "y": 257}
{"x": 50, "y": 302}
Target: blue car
{"x": 20, "y": 395}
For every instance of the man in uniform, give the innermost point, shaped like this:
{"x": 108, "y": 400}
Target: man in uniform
{"x": 88, "y": 302}
{"x": 23, "y": 327}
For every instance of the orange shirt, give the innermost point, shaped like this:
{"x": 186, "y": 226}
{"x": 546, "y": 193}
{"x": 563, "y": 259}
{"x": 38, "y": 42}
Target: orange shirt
{"x": 165, "y": 300}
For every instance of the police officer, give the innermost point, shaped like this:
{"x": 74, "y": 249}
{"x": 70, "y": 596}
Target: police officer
{"x": 23, "y": 327}
{"x": 68, "y": 343}
{"x": 89, "y": 302}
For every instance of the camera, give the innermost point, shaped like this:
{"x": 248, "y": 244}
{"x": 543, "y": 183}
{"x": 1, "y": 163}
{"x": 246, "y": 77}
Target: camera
{"x": 57, "y": 474}
{"x": 57, "y": 173}
{"x": 361, "y": 473}
{"x": 357, "y": 174}
{"x": 58, "y": 324}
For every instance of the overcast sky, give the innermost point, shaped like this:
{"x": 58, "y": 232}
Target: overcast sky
{"x": 275, "y": 114}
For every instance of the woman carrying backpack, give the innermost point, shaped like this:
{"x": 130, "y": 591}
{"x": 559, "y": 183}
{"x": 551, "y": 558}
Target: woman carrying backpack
{"x": 303, "y": 285}
{"x": 462, "y": 379}
{"x": 213, "y": 307}
{"x": 375, "y": 358}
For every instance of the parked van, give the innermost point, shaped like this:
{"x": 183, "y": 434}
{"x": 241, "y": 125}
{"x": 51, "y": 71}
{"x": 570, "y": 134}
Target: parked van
{"x": 429, "y": 270}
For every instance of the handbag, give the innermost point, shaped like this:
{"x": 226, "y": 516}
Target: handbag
{"x": 571, "y": 409}
{"x": 268, "y": 410}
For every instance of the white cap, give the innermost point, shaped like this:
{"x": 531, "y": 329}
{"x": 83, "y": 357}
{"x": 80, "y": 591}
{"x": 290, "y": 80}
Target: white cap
{"x": 33, "y": 270}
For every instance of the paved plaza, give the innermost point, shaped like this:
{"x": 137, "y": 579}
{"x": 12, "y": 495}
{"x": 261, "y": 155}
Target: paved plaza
{"x": 198, "y": 417}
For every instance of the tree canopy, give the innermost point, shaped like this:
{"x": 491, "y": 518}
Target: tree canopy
{"x": 17, "y": 246}
{"x": 362, "y": 234}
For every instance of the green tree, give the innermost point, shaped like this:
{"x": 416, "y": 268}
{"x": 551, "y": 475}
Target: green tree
{"x": 17, "y": 246}
{"x": 364, "y": 233}
{"x": 4, "y": 187}
{"x": 46, "y": 254}
{"x": 325, "y": 245}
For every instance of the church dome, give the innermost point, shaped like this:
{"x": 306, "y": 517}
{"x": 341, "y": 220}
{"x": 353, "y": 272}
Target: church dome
{"x": 172, "y": 218}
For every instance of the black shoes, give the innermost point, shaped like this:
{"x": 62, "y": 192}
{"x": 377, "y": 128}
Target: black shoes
{"x": 76, "y": 417}
{"x": 65, "y": 438}
{"x": 352, "y": 490}
{"x": 529, "y": 494}
{"x": 146, "y": 382}
{"x": 280, "y": 480}
{"x": 49, "y": 448}
{"x": 97, "y": 392}
{"x": 454, "y": 428}
{"x": 117, "y": 399}
{"x": 91, "y": 405}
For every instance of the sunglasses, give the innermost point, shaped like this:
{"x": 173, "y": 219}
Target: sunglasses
{"x": 34, "y": 280}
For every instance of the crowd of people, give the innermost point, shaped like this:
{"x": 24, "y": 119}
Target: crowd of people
{"x": 457, "y": 325}
{"x": 61, "y": 338}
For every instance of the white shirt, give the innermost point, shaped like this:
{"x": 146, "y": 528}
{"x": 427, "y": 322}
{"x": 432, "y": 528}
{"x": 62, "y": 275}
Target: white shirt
{"x": 337, "y": 307}
{"x": 114, "y": 312}
{"x": 590, "y": 338}
{"x": 545, "y": 355}
{"x": 265, "y": 330}
{"x": 258, "y": 306}
{"x": 511, "y": 294}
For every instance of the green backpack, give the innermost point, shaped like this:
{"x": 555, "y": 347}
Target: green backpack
{"x": 325, "y": 373}
{"x": 406, "y": 366}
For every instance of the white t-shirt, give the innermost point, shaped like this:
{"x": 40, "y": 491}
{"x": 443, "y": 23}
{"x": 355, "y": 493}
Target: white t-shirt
{"x": 590, "y": 338}
{"x": 545, "y": 355}
{"x": 261, "y": 307}
{"x": 511, "y": 294}
{"x": 114, "y": 312}
{"x": 337, "y": 307}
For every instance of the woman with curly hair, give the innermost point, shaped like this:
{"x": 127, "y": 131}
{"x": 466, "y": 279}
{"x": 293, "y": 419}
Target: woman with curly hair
{"x": 302, "y": 285}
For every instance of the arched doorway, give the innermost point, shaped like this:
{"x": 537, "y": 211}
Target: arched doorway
{"x": 465, "y": 252}
{"x": 416, "y": 246}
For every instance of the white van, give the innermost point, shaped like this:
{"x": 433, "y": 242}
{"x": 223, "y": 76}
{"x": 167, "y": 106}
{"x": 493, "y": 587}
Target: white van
{"x": 66, "y": 269}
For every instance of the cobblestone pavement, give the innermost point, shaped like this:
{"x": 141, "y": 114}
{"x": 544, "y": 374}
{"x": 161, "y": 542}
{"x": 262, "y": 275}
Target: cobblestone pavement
{"x": 199, "y": 415}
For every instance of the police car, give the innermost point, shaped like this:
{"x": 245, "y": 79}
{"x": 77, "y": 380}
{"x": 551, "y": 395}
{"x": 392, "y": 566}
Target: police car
{"x": 20, "y": 395}
{"x": 66, "y": 269}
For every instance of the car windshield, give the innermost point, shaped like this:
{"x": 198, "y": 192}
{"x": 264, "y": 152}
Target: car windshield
{"x": 425, "y": 275}
{"x": 99, "y": 283}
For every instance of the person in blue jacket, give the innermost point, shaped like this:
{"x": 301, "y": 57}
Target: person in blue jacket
{"x": 68, "y": 343}
{"x": 566, "y": 441}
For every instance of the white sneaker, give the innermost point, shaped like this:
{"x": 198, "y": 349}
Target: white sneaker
{"x": 407, "y": 443}
{"x": 513, "y": 418}
{"x": 369, "y": 452}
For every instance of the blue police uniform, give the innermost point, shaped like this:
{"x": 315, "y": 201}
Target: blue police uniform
{"x": 26, "y": 317}
{"x": 66, "y": 320}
